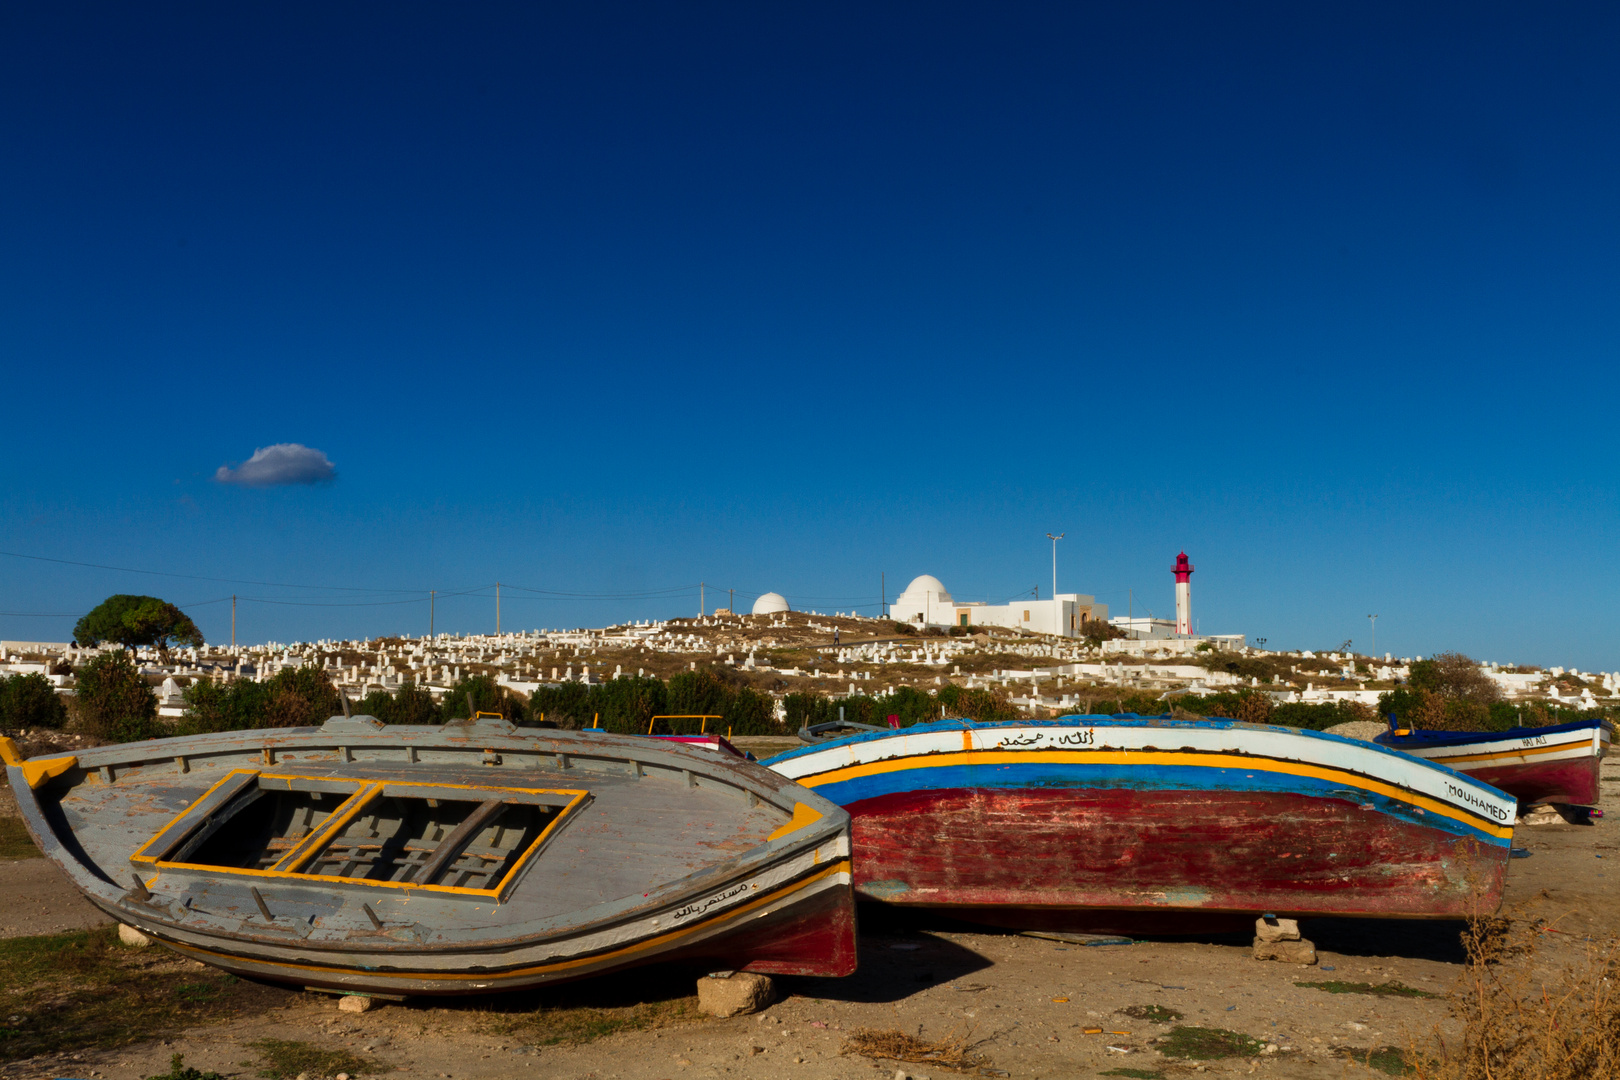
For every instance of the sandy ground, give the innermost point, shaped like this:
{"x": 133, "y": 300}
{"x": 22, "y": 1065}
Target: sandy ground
{"x": 929, "y": 975}
{"x": 35, "y": 898}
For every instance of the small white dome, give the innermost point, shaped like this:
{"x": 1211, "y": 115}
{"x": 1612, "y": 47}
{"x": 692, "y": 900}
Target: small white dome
{"x": 771, "y": 603}
{"x": 927, "y": 585}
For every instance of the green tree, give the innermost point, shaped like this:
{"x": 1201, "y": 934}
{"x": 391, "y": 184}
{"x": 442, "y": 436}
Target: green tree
{"x": 137, "y": 620}
{"x": 487, "y": 695}
{"x": 211, "y": 706}
{"x": 30, "y": 701}
{"x": 299, "y": 697}
{"x": 410, "y": 704}
{"x": 115, "y": 703}
{"x": 1455, "y": 676}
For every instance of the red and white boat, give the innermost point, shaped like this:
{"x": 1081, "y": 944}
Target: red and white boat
{"x": 1557, "y": 764}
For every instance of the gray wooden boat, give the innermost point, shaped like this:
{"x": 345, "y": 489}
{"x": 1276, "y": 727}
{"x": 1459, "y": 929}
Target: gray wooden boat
{"x": 432, "y": 860}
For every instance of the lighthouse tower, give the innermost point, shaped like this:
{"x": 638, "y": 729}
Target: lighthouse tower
{"x": 1183, "y": 571}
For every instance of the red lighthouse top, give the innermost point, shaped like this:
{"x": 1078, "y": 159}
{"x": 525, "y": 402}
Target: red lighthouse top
{"x": 1183, "y": 569}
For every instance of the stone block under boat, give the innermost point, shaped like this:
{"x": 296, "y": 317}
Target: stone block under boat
{"x": 467, "y": 858}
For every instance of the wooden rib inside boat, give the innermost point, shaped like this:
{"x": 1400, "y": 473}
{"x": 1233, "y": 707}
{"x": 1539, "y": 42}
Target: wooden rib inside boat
{"x": 465, "y": 858}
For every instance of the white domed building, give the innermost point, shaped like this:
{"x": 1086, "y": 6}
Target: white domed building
{"x": 926, "y": 603}
{"x": 772, "y": 603}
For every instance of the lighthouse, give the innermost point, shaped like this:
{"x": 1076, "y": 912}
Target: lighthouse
{"x": 1183, "y": 571}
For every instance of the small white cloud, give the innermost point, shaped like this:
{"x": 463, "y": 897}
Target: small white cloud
{"x": 283, "y": 463}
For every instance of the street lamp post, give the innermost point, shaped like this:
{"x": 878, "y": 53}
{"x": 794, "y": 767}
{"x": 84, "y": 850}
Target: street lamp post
{"x": 1373, "y": 619}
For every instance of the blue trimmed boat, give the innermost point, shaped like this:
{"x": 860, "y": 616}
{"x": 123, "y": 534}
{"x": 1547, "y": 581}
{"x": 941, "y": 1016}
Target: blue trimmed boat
{"x": 1018, "y": 822}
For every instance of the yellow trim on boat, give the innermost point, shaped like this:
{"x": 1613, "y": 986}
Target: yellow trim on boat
{"x": 842, "y": 866}
{"x": 1583, "y": 743}
{"x": 1142, "y": 757}
{"x": 35, "y": 773}
{"x": 802, "y": 816}
{"x": 346, "y": 812}
{"x": 301, "y": 853}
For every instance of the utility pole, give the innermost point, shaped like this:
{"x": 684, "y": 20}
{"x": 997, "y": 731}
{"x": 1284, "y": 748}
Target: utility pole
{"x": 883, "y": 594}
{"x": 701, "y": 605}
{"x": 1054, "y": 540}
{"x": 497, "y": 609}
{"x": 233, "y": 620}
{"x": 731, "y": 601}
{"x": 433, "y": 596}
{"x": 1373, "y": 619}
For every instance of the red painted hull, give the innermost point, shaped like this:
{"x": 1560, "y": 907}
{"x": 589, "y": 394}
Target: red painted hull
{"x": 1573, "y": 781}
{"x": 1163, "y": 852}
{"x": 816, "y": 938}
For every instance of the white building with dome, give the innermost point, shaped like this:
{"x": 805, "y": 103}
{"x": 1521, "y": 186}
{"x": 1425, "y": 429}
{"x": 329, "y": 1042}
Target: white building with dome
{"x": 772, "y": 603}
{"x": 926, "y": 603}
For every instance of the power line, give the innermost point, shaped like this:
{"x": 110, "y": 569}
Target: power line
{"x": 201, "y": 577}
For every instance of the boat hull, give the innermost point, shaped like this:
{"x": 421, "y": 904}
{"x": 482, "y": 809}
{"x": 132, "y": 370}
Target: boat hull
{"x": 1017, "y": 824}
{"x": 471, "y": 858}
{"x": 1559, "y": 764}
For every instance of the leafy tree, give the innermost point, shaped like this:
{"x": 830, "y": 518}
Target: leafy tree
{"x": 211, "y": 706}
{"x": 299, "y": 697}
{"x": 985, "y": 706}
{"x": 488, "y": 696}
{"x": 569, "y": 705}
{"x": 30, "y": 701}
{"x": 1454, "y": 676}
{"x": 410, "y": 704}
{"x": 137, "y": 620}
{"x": 115, "y": 703}
{"x": 625, "y": 705}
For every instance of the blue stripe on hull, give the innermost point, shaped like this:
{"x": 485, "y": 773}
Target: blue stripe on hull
{"x": 1130, "y": 777}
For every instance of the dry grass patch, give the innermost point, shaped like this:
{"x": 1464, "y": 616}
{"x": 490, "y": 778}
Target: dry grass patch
{"x": 1208, "y": 1044}
{"x": 957, "y": 1050}
{"x": 285, "y": 1059}
{"x": 586, "y": 1011}
{"x": 15, "y": 843}
{"x": 83, "y": 990}
{"x": 1523, "y": 1019}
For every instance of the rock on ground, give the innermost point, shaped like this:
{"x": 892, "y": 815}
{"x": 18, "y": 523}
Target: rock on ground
{"x": 734, "y": 995}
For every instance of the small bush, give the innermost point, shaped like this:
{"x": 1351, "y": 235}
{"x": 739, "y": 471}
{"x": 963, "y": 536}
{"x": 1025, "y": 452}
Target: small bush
{"x": 30, "y": 701}
{"x": 114, "y": 701}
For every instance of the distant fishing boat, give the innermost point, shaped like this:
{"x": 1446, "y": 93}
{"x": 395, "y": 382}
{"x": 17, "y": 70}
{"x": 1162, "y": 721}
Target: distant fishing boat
{"x": 1556, "y": 764}
{"x": 433, "y": 860}
{"x": 1032, "y": 823}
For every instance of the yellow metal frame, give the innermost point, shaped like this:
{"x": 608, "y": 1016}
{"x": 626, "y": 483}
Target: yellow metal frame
{"x": 366, "y": 791}
{"x": 703, "y": 729}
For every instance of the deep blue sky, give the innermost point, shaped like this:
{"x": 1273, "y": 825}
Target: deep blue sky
{"x": 610, "y": 299}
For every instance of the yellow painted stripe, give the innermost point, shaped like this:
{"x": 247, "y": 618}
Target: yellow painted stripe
{"x": 35, "y": 773}
{"x": 338, "y": 820}
{"x": 1142, "y": 757}
{"x": 324, "y": 833}
{"x": 802, "y": 816}
{"x": 1578, "y": 744}
{"x": 140, "y": 852}
{"x": 500, "y": 887}
{"x": 646, "y": 945}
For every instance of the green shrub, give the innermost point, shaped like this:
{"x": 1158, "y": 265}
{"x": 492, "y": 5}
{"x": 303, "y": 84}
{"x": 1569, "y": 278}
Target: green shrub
{"x": 115, "y": 703}
{"x": 409, "y": 704}
{"x": 30, "y": 701}
{"x": 488, "y": 696}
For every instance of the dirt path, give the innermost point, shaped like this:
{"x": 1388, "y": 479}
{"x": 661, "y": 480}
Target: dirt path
{"x": 1034, "y": 997}
{"x": 35, "y": 898}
